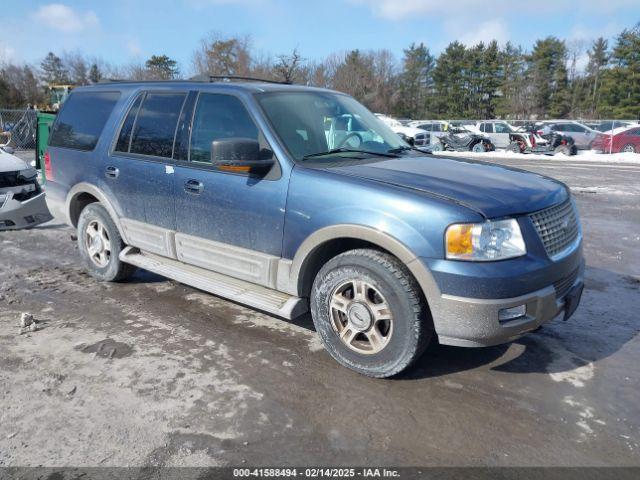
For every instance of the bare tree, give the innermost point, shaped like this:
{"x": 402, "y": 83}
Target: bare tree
{"x": 288, "y": 67}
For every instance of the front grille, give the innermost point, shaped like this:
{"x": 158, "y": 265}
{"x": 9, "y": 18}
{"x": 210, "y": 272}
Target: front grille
{"x": 557, "y": 227}
{"x": 563, "y": 285}
{"x": 12, "y": 179}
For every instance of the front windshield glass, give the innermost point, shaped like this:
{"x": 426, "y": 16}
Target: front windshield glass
{"x": 312, "y": 123}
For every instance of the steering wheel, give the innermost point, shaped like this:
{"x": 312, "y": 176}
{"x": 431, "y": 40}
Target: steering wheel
{"x": 350, "y": 136}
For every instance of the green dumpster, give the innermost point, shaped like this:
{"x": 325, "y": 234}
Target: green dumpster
{"x": 45, "y": 120}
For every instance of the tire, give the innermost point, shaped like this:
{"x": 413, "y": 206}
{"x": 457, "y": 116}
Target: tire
{"x": 437, "y": 147}
{"x": 628, "y": 148}
{"x": 514, "y": 147}
{"x": 479, "y": 148}
{"x": 386, "y": 284}
{"x": 564, "y": 150}
{"x": 108, "y": 267}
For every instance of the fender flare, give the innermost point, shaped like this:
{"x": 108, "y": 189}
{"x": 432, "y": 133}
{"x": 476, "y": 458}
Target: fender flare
{"x": 84, "y": 187}
{"x": 383, "y": 240}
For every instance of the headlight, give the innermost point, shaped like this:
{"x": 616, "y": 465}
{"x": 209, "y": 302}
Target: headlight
{"x": 491, "y": 240}
{"x": 28, "y": 173}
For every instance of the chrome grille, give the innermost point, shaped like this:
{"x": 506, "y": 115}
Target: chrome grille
{"x": 563, "y": 285}
{"x": 557, "y": 227}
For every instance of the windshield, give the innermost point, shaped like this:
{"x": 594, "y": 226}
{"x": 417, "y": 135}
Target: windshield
{"x": 312, "y": 123}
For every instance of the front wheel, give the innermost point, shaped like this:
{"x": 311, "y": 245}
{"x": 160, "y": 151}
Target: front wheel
{"x": 629, "y": 148}
{"x": 370, "y": 313}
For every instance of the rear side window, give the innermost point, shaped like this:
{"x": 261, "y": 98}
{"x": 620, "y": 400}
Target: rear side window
{"x": 82, "y": 119}
{"x": 154, "y": 128}
{"x": 124, "y": 139}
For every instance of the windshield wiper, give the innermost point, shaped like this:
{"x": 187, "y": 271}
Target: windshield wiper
{"x": 333, "y": 151}
{"x": 404, "y": 149}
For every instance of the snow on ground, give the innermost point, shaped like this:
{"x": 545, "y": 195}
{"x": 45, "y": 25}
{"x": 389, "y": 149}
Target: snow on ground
{"x": 582, "y": 156}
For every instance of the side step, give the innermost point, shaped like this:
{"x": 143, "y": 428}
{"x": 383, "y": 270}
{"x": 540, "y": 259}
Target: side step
{"x": 256, "y": 296}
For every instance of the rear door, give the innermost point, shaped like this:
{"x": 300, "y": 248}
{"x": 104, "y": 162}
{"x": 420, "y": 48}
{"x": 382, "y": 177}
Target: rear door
{"x": 139, "y": 170}
{"x": 228, "y": 221}
{"x": 500, "y": 136}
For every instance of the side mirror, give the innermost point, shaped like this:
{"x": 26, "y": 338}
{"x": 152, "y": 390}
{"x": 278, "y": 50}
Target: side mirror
{"x": 240, "y": 155}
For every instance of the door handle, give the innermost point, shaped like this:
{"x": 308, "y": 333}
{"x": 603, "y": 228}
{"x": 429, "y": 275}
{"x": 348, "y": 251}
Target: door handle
{"x": 112, "y": 172}
{"x": 193, "y": 186}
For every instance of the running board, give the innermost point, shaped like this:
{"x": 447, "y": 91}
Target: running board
{"x": 246, "y": 293}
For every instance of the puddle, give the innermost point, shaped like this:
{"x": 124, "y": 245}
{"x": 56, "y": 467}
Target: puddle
{"x": 107, "y": 348}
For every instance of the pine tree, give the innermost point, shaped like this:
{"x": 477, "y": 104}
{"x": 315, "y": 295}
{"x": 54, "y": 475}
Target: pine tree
{"x": 161, "y": 67}
{"x": 95, "y": 75}
{"x": 514, "y": 93}
{"x": 53, "y": 70}
{"x": 598, "y": 59}
{"x": 449, "y": 78}
{"x": 416, "y": 82}
{"x": 620, "y": 86}
{"x": 548, "y": 74}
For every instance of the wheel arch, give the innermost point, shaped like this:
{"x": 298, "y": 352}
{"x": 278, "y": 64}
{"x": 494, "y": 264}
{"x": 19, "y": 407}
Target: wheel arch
{"x": 83, "y": 194}
{"x": 328, "y": 242}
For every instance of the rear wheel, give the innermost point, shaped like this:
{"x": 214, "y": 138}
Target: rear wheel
{"x": 629, "y": 148}
{"x": 100, "y": 244}
{"x": 437, "y": 147}
{"x": 479, "y": 148}
{"x": 515, "y": 147}
{"x": 369, "y": 313}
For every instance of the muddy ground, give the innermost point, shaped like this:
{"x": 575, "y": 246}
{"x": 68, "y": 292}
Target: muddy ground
{"x": 152, "y": 372}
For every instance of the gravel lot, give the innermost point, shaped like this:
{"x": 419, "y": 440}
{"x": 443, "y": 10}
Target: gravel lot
{"x": 151, "y": 372}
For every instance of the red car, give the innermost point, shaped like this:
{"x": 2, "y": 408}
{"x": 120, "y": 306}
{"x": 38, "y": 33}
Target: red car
{"x": 626, "y": 141}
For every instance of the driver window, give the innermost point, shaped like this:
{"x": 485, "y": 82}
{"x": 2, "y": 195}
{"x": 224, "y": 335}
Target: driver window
{"x": 219, "y": 116}
{"x": 501, "y": 128}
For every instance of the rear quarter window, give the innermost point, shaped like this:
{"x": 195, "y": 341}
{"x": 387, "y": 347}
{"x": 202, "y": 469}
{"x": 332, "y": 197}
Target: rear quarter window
{"x": 82, "y": 119}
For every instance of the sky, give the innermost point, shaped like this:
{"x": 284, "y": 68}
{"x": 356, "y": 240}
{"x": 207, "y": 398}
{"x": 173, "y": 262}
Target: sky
{"x": 121, "y": 31}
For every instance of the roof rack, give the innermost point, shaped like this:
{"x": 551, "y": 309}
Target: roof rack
{"x": 239, "y": 77}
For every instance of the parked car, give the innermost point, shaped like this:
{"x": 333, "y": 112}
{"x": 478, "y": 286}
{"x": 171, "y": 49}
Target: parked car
{"x": 233, "y": 188}
{"x": 415, "y": 136}
{"x": 503, "y": 135}
{"x": 22, "y": 202}
{"x": 581, "y": 134}
{"x": 608, "y": 125}
{"x": 461, "y": 139}
{"x": 627, "y": 140}
{"x": 435, "y": 128}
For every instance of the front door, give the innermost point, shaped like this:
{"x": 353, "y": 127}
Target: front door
{"x": 228, "y": 221}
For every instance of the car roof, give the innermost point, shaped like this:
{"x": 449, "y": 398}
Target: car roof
{"x": 250, "y": 87}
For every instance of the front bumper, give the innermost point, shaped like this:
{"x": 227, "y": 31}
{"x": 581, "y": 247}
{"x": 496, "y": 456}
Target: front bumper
{"x": 15, "y": 214}
{"x": 471, "y": 322}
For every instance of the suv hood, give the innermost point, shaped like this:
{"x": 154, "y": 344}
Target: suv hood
{"x": 491, "y": 190}
{"x": 11, "y": 163}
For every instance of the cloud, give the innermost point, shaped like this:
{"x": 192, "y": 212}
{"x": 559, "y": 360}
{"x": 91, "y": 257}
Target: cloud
{"x": 406, "y": 9}
{"x": 134, "y": 48}
{"x": 7, "y": 52}
{"x": 473, "y": 34}
{"x": 65, "y": 19}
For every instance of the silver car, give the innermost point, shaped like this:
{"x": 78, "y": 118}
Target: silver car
{"x": 22, "y": 203}
{"x": 582, "y": 134}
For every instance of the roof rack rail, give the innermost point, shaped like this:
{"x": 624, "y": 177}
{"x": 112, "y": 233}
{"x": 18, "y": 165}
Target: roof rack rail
{"x": 239, "y": 77}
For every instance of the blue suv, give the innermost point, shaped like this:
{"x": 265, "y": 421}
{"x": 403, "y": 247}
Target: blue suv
{"x": 289, "y": 198}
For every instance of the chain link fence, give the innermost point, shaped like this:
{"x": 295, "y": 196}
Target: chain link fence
{"x": 18, "y": 129}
